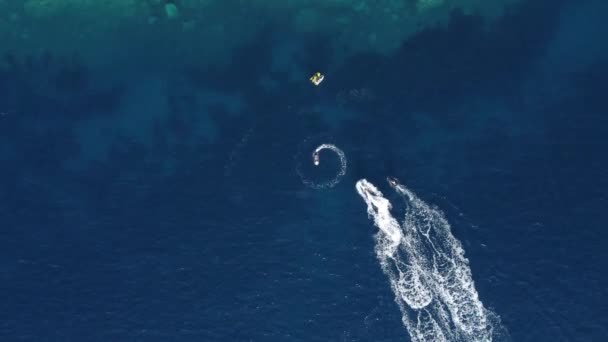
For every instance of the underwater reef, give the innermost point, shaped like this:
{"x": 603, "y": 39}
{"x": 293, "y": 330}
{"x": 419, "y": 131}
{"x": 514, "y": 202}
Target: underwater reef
{"x": 207, "y": 32}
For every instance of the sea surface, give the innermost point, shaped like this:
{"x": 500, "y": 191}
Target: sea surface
{"x": 166, "y": 205}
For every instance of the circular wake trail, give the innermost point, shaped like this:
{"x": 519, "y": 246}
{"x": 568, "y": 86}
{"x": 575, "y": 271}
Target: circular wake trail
{"x": 427, "y": 270}
{"x": 321, "y": 183}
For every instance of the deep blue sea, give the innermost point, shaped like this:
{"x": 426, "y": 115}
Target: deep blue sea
{"x": 164, "y": 205}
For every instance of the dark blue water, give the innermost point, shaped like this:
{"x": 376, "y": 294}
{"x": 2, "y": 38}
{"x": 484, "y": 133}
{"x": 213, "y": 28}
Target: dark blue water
{"x": 114, "y": 227}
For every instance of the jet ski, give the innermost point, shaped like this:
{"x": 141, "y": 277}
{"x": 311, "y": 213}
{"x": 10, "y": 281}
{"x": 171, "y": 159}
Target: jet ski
{"x": 315, "y": 158}
{"x": 392, "y": 181}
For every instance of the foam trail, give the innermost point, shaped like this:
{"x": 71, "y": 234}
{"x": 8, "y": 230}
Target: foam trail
{"x": 338, "y": 151}
{"x": 396, "y": 260}
{"x": 427, "y": 270}
{"x": 328, "y": 183}
{"x": 379, "y": 209}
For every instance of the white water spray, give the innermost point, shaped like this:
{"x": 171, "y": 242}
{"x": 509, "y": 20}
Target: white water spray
{"x": 312, "y": 174}
{"x": 427, "y": 270}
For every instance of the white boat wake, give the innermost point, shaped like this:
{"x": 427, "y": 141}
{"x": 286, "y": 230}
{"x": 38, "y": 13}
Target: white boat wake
{"x": 427, "y": 270}
{"x": 319, "y": 175}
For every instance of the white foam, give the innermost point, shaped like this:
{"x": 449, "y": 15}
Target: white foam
{"x": 427, "y": 270}
{"x": 395, "y": 258}
{"x": 325, "y": 183}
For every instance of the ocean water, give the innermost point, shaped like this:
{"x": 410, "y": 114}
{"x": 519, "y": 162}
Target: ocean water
{"x": 166, "y": 205}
